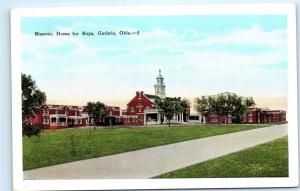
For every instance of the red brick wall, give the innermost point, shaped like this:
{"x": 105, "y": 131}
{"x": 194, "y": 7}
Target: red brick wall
{"x": 133, "y": 120}
{"x": 218, "y": 119}
{"x": 134, "y": 114}
{"x": 140, "y": 98}
{"x": 113, "y": 111}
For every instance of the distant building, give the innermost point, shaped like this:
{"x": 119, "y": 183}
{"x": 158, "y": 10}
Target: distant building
{"x": 61, "y": 116}
{"x": 142, "y": 110}
{"x": 251, "y": 116}
{"x": 212, "y": 118}
{"x": 113, "y": 116}
{"x": 271, "y": 116}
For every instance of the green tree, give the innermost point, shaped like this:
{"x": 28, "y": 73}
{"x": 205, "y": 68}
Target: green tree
{"x": 96, "y": 111}
{"x": 185, "y": 105}
{"x": 264, "y": 115}
{"x": 167, "y": 107}
{"x": 32, "y": 99}
{"x": 223, "y": 105}
{"x": 202, "y": 106}
{"x": 219, "y": 106}
{"x": 177, "y": 107}
{"x": 241, "y": 105}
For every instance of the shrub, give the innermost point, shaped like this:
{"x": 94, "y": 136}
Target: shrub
{"x": 30, "y": 130}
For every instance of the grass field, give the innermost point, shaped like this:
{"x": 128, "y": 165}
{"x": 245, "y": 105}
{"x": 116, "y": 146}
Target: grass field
{"x": 61, "y": 146}
{"x": 266, "y": 160}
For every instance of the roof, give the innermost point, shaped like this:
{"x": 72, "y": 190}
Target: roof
{"x": 153, "y": 97}
{"x": 55, "y": 106}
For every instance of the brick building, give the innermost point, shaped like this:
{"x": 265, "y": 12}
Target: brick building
{"x": 61, "y": 116}
{"x": 142, "y": 110}
{"x": 271, "y": 116}
{"x": 252, "y": 116}
{"x": 212, "y": 118}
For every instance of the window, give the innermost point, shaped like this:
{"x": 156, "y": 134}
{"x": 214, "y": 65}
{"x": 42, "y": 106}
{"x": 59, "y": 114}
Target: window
{"x": 62, "y": 120}
{"x": 45, "y": 112}
{"x": 132, "y": 109}
{"x": 45, "y": 120}
{"x": 53, "y": 120}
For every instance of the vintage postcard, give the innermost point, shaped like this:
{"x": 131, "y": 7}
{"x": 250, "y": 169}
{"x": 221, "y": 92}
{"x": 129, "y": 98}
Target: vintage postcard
{"x": 154, "y": 97}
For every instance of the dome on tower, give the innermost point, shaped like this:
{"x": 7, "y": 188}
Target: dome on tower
{"x": 159, "y": 75}
{"x": 160, "y": 86}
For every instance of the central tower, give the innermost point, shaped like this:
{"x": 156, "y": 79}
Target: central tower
{"x": 160, "y": 86}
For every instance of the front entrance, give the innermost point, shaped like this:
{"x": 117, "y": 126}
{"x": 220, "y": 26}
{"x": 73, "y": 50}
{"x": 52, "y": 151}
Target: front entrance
{"x": 151, "y": 118}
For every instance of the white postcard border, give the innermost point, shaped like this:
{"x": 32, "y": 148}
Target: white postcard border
{"x": 220, "y": 9}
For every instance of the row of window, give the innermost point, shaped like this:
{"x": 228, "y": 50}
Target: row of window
{"x": 61, "y": 121}
{"x": 46, "y": 112}
{"x": 215, "y": 120}
{"x": 131, "y": 119}
{"x": 139, "y": 108}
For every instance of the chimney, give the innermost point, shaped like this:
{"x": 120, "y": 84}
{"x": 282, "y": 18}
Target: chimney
{"x": 139, "y": 93}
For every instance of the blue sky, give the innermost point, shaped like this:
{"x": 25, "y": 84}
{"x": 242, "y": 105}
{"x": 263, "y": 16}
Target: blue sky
{"x": 198, "y": 55}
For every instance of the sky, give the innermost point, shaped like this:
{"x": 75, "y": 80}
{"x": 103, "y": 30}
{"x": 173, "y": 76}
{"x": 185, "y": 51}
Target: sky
{"x": 198, "y": 55}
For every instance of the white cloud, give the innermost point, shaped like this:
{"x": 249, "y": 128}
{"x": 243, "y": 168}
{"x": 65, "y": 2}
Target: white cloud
{"x": 253, "y": 36}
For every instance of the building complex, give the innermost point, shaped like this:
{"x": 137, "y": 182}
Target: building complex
{"x": 142, "y": 110}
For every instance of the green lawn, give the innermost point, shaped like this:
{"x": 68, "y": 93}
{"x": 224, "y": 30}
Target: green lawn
{"x": 61, "y": 146}
{"x": 266, "y": 160}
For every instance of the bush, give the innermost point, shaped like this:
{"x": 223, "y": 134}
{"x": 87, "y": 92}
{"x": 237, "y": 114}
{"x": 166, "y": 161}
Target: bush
{"x": 30, "y": 130}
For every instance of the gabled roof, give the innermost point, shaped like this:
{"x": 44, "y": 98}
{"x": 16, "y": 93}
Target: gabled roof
{"x": 153, "y": 97}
